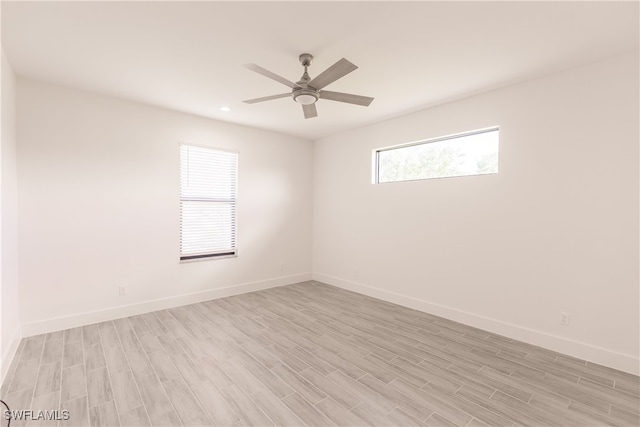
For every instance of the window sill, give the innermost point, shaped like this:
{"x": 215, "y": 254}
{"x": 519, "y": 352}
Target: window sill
{"x": 207, "y": 258}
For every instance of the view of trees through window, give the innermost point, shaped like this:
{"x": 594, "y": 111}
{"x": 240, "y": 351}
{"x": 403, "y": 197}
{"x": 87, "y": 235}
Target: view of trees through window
{"x": 469, "y": 154}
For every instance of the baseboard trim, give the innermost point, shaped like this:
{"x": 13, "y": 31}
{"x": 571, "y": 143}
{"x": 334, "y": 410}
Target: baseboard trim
{"x": 9, "y": 354}
{"x": 88, "y": 318}
{"x": 594, "y": 354}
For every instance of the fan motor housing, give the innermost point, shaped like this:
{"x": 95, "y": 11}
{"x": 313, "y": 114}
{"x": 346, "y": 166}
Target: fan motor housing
{"x": 305, "y": 96}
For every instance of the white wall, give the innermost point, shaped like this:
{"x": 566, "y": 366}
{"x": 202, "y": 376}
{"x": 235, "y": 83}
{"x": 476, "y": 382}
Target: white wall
{"x": 98, "y": 198}
{"x": 556, "y": 230}
{"x": 9, "y": 321}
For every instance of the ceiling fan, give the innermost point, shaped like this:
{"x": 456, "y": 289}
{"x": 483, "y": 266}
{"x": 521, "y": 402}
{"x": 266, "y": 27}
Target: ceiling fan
{"x": 307, "y": 91}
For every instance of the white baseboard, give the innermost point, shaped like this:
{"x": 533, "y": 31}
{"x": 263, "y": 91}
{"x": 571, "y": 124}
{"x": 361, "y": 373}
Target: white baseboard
{"x": 82, "y": 319}
{"x": 594, "y": 354}
{"x": 8, "y": 354}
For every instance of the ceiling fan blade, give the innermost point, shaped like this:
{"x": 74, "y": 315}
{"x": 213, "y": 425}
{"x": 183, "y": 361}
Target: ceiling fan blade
{"x": 346, "y": 97}
{"x": 258, "y": 69}
{"x": 266, "y": 98}
{"x": 309, "y": 111}
{"x": 333, "y": 73}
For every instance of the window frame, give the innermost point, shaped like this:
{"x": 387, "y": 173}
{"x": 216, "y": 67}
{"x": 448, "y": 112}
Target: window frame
{"x": 377, "y": 151}
{"x": 233, "y": 253}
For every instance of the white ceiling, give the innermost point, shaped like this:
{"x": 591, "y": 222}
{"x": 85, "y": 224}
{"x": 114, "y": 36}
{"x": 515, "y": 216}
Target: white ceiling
{"x": 187, "y": 56}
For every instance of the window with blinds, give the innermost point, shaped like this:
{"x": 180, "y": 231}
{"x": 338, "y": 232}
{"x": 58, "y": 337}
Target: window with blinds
{"x": 208, "y": 189}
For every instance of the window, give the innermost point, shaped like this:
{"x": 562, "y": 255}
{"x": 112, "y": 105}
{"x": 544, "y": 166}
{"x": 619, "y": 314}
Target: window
{"x": 208, "y": 188}
{"x": 471, "y": 153}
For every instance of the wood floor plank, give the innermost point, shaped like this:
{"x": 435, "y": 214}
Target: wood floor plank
{"x": 561, "y": 413}
{"x": 190, "y": 371}
{"x": 155, "y": 400}
{"x": 54, "y": 336}
{"x": 169, "y": 344}
{"x": 155, "y": 325}
{"x": 52, "y": 351}
{"x": 108, "y": 334}
{"x": 185, "y": 403}
{"x": 306, "y": 411}
{"x": 168, "y": 419}
{"x": 48, "y": 378}
{"x": 505, "y": 407}
{"x": 242, "y": 377}
{"x": 98, "y": 387}
{"x": 498, "y": 381}
{"x": 129, "y": 340}
{"x": 277, "y": 411}
{"x": 586, "y": 411}
{"x": 628, "y": 386}
{"x": 25, "y": 375}
{"x": 625, "y": 416}
{"x": 104, "y": 415}
{"x": 8, "y": 379}
{"x": 78, "y": 412}
{"x": 115, "y": 359}
{"x": 90, "y": 335}
{"x": 370, "y": 396}
{"x": 72, "y": 335}
{"x": 299, "y": 384}
{"x": 447, "y": 379}
{"x": 338, "y": 394}
{"x": 270, "y": 380}
{"x": 135, "y": 418}
{"x": 139, "y": 324}
{"x": 74, "y": 384}
{"x": 339, "y": 363}
{"x": 163, "y": 366}
{"x": 312, "y": 360}
{"x": 614, "y": 397}
{"x": 125, "y": 391}
{"x": 32, "y": 348}
{"x": 149, "y": 342}
{"x": 416, "y": 407}
{"x": 94, "y": 357}
{"x": 72, "y": 353}
{"x": 244, "y": 407}
{"x": 399, "y": 417}
{"x": 373, "y": 415}
{"x": 266, "y": 356}
{"x": 436, "y": 402}
{"x": 287, "y": 358}
{"x": 339, "y": 415}
{"x": 139, "y": 363}
{"x": 437, "y": 420}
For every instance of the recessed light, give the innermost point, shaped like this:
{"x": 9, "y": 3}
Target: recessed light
{"x": 225, "y": 109}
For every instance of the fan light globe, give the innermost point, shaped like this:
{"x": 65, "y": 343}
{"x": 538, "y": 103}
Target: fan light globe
{"x": 305, "y": 99}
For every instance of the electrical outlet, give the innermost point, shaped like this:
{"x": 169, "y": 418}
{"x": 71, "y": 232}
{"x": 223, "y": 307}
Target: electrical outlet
{"x": 564, "y": 318}
{"x": 122, "y": 290}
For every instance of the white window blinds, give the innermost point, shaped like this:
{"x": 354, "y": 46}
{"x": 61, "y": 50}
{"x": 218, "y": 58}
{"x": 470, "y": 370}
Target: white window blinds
{"x": 208, "y": 188}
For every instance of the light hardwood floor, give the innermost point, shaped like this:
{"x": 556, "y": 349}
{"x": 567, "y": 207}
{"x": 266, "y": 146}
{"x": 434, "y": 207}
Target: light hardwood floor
{"x": 308, "y": 354}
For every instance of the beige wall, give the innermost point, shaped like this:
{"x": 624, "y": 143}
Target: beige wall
{"x": 555, "y": 231}
{"x": 9, "y": 320}
{"x": 98, "y": 193}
